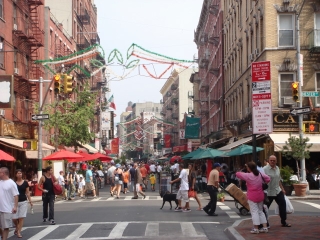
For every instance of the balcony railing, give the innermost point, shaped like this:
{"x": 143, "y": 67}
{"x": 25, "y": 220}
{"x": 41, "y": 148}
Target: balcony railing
{"x": 314, "y": 41}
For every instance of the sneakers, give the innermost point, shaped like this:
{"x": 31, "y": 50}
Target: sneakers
{"x": 52, "y": 222}
{"x": 44, "y": 220}
{"x": 254, "y": 231}
{"x": 179, "y": 209}
{"x": 144, "y": 196}
{"x": 263, "y": 230}
{"x": 186, "y": 210}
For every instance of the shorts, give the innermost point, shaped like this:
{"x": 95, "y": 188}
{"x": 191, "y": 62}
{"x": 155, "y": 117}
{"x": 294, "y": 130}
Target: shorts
{"x": 111, "y": 180}
{"x": 125, "y": 185}
{"x": 21, "y": 210}
{"x": 5, "y": 220}
{"x": 183, "y": 195}
{"x": 90, "y": 186}
{"x": 152, "y": 185}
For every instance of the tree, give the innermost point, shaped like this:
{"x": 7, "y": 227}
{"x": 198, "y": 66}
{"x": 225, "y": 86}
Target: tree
{"x": 297, "y": 148}
{"x": 70, "y": 119}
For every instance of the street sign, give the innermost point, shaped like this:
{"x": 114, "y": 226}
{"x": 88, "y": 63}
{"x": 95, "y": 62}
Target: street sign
{"x": 298, "y": 111}
{"x": 260, "y": 71}
{"x": 310, "y": 94}
{"x": 262, "y": 120}
{"x": 39, "y": 116}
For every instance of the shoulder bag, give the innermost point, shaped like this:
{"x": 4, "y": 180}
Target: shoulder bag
{"x": 57, "y": 189}
{"x": 265, "y": 187}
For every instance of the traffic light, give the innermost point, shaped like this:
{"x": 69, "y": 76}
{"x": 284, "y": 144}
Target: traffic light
{"x": 57, "y": 83}
{"x": 67, "y": 83}
{"x": 295, "y": 91}
{"x": 311, "y": 127}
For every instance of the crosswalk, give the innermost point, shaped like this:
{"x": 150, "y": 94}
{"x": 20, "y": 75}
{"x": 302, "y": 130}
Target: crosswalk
{"x": 118, "y": 230}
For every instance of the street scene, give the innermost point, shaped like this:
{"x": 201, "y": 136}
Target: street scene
{"x": 159, "y": 119}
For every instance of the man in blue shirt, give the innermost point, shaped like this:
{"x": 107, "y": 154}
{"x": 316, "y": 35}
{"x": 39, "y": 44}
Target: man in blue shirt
{"x": 89, "y": 182}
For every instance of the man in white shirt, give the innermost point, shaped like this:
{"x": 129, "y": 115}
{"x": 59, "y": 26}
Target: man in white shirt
{"x": 152, "y": 168}
{"x": 8, "y": 201}
{"x": 182, "y": 194}
{"x": 62, "y": 184}
{"x": 110, "y": 175}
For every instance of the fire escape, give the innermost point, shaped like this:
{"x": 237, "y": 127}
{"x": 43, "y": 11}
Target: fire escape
{"x": 35, "y": 38}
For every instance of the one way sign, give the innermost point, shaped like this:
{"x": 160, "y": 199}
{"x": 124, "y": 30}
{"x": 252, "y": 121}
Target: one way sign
{"x": 39, "y": 116}
{"x": 298, "y": 111}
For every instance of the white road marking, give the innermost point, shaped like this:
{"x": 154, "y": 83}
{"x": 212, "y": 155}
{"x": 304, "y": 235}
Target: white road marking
{"x": 310, "y": 203}
{"x": 152, "y": 230}
{"x": 147, "y": 198}
{"x": 188, "y": 230}
{"x": 44, "y": 232}
{"x": 127, "y": 198}
{"x": 232, "y": 214}
{"x": 80, "y": 200}
{"x": 110, "y": 199}
{"x": 79, "y": 231}
{"x": 96, "y": 199}
{"x": 118, "y": 230}
{"x": 224, "y": 208}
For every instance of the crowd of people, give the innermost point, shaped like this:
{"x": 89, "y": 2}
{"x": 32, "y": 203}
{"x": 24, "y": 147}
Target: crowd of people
{"x": 135, "y": 177}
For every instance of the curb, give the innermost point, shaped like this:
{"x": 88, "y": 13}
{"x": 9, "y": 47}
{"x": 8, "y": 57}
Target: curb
{"x": 232, "y": 233}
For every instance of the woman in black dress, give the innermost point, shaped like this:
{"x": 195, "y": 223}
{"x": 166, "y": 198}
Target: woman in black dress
{"x": 24, "y": 194}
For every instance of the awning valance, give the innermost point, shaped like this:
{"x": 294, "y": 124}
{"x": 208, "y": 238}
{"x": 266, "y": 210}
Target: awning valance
{"x": 90, "y": 148}
{"x": 236, "y": 143}
{"x": 19, "y": 143}
{"x": 279, "y": 140}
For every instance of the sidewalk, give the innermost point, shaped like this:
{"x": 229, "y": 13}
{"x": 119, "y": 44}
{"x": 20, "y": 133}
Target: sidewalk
{"x": 303, "y": 227}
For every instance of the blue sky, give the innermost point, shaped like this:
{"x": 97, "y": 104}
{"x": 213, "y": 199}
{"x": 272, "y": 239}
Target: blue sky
{"x": 165, "y": 27}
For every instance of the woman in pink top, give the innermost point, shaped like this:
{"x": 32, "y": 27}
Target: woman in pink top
{"x": 255, "y": 195}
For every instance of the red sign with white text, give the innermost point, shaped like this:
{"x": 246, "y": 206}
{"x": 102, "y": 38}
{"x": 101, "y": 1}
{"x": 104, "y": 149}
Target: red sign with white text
{"x": 260, "y": 71}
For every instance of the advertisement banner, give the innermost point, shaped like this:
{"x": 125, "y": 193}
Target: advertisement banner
{"x": 167, "y": 141}
{"x": 182, "y": 133}
{"x": 115, "y": 146}
{"x": 105, "y": 121}
{"x": 192, "y": 127}
{"x": 189, "y": 146}
{"x": 147, "y": 116}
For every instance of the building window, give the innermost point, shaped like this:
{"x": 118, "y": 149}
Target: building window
{"x": 317, "y": 30}
{"x": 1, "y": 9}
{"x": 1, "y": 52}
{"x": 318, "y": 88}
{"x": 286, "y": 80}
{"x": 286, "y": 30}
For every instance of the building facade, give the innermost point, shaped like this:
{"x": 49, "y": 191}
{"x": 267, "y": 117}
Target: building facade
{"x": 210, "y": 79}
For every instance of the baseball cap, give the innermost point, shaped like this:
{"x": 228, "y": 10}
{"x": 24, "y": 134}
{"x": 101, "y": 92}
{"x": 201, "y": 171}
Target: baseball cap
{"x": 216, "y": 165}
{"x": 118, "y": 165}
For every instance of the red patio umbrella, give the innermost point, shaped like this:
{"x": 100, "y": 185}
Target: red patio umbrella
{"x": 86, "y": 157}
{"x": 6, "y": 157}
{"x": 63, "y": 154}
{"x": 174, "y": 158}
{"x": 102, "y": 157}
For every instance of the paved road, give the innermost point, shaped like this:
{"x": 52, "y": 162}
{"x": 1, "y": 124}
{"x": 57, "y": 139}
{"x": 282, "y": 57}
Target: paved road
{"x": 110, "y": 218}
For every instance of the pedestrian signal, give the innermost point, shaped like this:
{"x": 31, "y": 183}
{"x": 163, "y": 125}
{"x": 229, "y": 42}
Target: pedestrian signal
{"x": 295, "y": 91}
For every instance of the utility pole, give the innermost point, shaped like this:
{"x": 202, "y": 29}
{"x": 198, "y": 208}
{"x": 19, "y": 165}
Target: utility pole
{"x": 299, "y": 74}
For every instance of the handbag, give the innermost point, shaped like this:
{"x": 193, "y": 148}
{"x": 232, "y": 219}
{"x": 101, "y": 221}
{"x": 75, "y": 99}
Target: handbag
{"x": 264, "y": 184}
{"x": 191, "y": 194}
{"x": 57, "y": 189}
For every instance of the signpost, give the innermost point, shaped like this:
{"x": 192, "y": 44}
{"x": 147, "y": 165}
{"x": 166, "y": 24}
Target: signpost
{"x": 262, "y": 120}
{"x": 39, "y": 116}
{"x": 310, "y": 94}
{"x": 298, "y": 111}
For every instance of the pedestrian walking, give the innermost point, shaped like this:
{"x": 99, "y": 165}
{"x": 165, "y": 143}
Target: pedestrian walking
{"x": 89, "y": 182}
{"x": 46, "y": 181}
{"x": 144, "y": 173}
{"x": 110, "y": 175}
{"x": 62, "y": 183}
{"x": 193, "y": 185}
{"x": 81, "y": 187}
{"x": 182, "y": 193}
{"x": 72, "y": 180}
{"x": 153, "y": 181}
{"x": 137, "y": 183}
{"x": 24, "y": 195}
{"x": 118, "y": 179}
{"x": 255, "y": 195}
{"x": 132, "y": 172}
{"x": 275, "y": 189}
{"x": 126, "y": 176}
{"x": 8, "y": 201}
{"x": 212, "y": 188}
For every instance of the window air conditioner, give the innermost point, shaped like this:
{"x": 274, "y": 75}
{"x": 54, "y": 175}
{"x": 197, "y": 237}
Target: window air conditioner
{"x": 15, "y": 27}
{"x": 16, "y": 71}
{"x": 251, "y": 57}
{"x": 2, "y": 112}
{"x": 288, "y": 101}
{"x": 256, "y": 51}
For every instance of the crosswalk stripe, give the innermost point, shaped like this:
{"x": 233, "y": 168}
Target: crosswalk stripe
{"x": 80, "y": 200}
{"x": 152, "y": 230}
{"x": 110, "y": 199}
{"x": 44, "y": 232}
{"x": 224, "y": 208}
{"x": 188, "y": 230}
{"x": 311, "y": 204}
{"x": 96, "y": 199}
{"x": 232, "y": 214}
{"x": 79, "y": 231}
{"x": 147, "y": 198}
{"x": 118, "y": 230}
{"x": 127, "y": 198}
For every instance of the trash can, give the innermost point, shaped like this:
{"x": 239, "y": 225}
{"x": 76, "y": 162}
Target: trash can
{"x": 37, "y": 192}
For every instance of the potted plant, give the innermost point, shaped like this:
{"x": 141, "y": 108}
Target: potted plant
{"x": 286, "y": 173}
{"x": 221, "y": 197}
{"x": 297, "y": 148}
